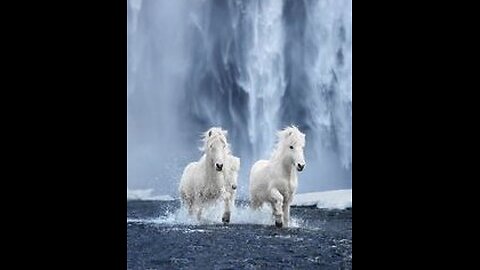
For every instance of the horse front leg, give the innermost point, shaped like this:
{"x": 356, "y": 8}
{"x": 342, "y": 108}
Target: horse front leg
{"x": 226, "y": 214}
{"x": 286, "y": 213}
{"x": 277, "y": 205}
{"x": 190, "y": 209}
{"x": 199, "y": 213}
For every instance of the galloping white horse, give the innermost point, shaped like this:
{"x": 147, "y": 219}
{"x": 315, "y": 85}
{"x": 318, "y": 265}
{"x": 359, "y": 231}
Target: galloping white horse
{"x": 203, "y": 182}
{"x": 274, "y": 181}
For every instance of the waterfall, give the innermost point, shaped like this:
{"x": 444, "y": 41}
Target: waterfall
{"x": 263, "y": 79}
{"x": 251, "y": 67}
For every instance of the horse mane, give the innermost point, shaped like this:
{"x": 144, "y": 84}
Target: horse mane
{"x": 212, "y": 134}
{"x": 290, "y": 135}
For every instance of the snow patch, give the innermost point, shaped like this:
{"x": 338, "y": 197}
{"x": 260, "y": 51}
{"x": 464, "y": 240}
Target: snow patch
{"x": 146, "y": 194}
{"x": 335, "y": 199}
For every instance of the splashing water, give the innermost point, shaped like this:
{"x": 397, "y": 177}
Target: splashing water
{"x": 240, "y": 214}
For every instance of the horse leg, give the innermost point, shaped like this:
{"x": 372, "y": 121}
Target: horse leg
{"x": 226, "y": 213}
{"x": 199, "y": 213}
{"x": 187, "y": 202}
{"x": 286, "y": 213}
{"x": 277, "y": 203}
{"x": 190, "y": 207}
{"x": 255, "y": 203}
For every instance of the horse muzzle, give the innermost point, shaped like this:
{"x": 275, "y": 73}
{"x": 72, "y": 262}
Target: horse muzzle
{"x": 300, "y": 167}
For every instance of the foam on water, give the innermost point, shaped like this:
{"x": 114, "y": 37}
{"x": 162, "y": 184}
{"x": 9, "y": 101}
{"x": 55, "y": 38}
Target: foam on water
{"x": 240, "y": 214}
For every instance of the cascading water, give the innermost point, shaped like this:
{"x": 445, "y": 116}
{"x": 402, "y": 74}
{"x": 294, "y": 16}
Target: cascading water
{"x": 251, "y": 67}
{"x": 330, "y": 28}
{"x": 263, "y": 78}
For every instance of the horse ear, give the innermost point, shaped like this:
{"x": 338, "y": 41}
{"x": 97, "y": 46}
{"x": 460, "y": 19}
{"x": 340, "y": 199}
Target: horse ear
{"x": 210, "y": 133}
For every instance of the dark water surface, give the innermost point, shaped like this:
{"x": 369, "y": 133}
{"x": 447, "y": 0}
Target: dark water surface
{"x": 320, "y": 239}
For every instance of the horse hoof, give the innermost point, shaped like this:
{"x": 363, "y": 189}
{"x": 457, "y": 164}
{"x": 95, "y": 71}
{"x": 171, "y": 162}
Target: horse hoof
{"x": 225, "y": 220}
{"x": 278, "y": 224}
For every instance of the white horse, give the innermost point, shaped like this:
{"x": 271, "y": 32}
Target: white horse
{"x": 203, "y": 182}
{"x": 274, "y": 181}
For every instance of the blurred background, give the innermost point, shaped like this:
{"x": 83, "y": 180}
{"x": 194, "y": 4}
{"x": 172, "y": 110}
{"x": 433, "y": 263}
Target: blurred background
{"x": 251, "y": 67}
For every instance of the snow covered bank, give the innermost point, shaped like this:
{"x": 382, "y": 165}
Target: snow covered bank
{"x": 146, "y": 194}
{"x": 335, "y": 199}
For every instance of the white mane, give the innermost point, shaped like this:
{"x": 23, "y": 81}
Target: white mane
{"x": 288, "y": 136}
{"x": 214, "y": 133}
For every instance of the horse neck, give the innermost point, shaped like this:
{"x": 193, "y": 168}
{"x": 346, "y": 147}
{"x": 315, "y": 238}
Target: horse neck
{"x": 286, "y": 167}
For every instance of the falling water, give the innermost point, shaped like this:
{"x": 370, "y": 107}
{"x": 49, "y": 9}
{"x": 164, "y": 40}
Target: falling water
{"x": 251, "y": 67}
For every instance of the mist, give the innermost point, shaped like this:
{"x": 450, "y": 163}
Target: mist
{"x": 251, "y": 67}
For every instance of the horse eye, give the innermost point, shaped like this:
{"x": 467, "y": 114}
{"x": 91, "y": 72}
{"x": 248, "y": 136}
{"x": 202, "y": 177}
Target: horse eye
{"x": 291, "y": 147}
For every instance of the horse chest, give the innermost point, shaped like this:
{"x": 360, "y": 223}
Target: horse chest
{"x": 289, "y": 184}
{"x": 210, "y": 193}
{"x": 290, "y": 188}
